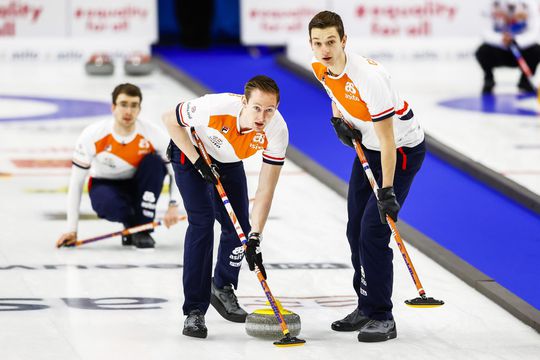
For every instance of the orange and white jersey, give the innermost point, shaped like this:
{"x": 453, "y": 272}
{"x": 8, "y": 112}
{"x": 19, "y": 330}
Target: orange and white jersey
{"x": 111, "y": 156}
{"x": 215, "y": 118}
{"x": 364, "y": 93}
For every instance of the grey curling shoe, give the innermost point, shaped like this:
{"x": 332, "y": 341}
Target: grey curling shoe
{"x": 194, "y": 325}
{"x": 143, "y": 240}
{"x": 352, "y": 322}
{"x": 225, "y": 302}
{"x": 378, "y": 330}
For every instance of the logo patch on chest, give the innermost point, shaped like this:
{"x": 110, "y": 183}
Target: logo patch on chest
{"x": 257, "y": 142}
{"x": 350, "y": 91}
{"x": 144, "y": 144}
{"x": 349, "y": 87}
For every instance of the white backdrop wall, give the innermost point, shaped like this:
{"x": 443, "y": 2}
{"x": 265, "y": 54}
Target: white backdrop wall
{"x": 275, "y": 22}
{"x": 32, "y": 18}
{"x": 72, "y": 29}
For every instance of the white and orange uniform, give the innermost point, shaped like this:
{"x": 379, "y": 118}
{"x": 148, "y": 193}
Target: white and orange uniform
{"x": 106, "y": 155}
{"x": 215, "y": 118}
{"x": 364, "y": 93}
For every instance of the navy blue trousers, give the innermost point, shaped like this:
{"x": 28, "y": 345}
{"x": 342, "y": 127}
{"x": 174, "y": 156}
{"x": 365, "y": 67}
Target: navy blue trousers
{"x": 203, "y": 206}
{"x": 368, "y": 238}
{"x": 133, "y": 201}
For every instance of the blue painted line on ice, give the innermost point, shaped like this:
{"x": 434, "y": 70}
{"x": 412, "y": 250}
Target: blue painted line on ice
{"x": 508, "y": 104}
{"x": 65, "y": 108}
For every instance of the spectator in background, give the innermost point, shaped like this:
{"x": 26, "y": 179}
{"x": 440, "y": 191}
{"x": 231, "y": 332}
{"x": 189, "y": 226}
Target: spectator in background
{"x": 512, "y": 21}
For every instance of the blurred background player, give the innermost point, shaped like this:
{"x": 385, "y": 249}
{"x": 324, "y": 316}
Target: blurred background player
{"x": 362, "y": 93}
{"x": 511, "y": 21}
{"x": 232, "y": 127}
{"x": 126, "y": 160}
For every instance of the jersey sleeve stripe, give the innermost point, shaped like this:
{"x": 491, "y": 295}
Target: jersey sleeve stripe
{"x": 273, "y": 157}
{"x": 407, "y": 116}
{"x": 385, "y": 116}
{"x": 179, "y": 117}
{"x": 265, "y": 160}
{"x": 79, "y": 165}
{"x": 403, "y": 110}
{"x": 383, "y": 113}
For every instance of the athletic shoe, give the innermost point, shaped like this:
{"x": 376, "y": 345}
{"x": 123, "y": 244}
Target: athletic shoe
{"x": 194, "y": 325}
{"x": 143, "y": 240}
{"x": 352, "y": 322}
{"x": 225, "y": 302}
{"x": 378, "y": 330}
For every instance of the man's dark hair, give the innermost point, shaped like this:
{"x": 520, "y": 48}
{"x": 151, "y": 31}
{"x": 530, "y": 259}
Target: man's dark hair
{"x": 326, "y": 19}
{"x": 263, "y": 83}
{"x": 128, "y": 89}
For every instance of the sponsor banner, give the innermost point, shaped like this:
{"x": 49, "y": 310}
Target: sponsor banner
{"x": 117, "y": 19}
{"x": 272, "y": 22}
{"x": 413, "y": 18}
{"x": 79, "y": 18}
{"x": 275, "y": 22}
{"x": 32, "y": 18}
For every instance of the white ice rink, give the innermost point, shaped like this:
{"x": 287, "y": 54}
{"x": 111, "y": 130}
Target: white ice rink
{"x": 304, "y": 240}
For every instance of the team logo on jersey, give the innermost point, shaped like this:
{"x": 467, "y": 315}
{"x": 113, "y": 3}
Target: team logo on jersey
{"x": 349, "y": 87}
{"x": 144, "y": 144}
{"x": 259, "y": 138}
{"x": 108, "y": 148}
{"x": 350, "y": 91}
{"x": 257, "y": 142}
{"x": 225, "y": 129}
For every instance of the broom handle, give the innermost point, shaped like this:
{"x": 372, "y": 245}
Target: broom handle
{"x": 128, "y": 231}
{"x": 391, "y": 223}
{"x": 523, "y": 66}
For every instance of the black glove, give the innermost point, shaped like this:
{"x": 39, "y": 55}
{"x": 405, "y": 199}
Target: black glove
{"x": 208, "y": 172}
{"x": 344, "y": 132}
{"x": 254, "y": 254}
{"x": 169, "y": 150}
{"x": 387, "y": 203}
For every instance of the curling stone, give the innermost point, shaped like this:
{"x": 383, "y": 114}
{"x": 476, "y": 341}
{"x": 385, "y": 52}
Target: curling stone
{"x": 138, "y": 65}
{"x": 99, "y": 64}
{"x": 262, "y": 323}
